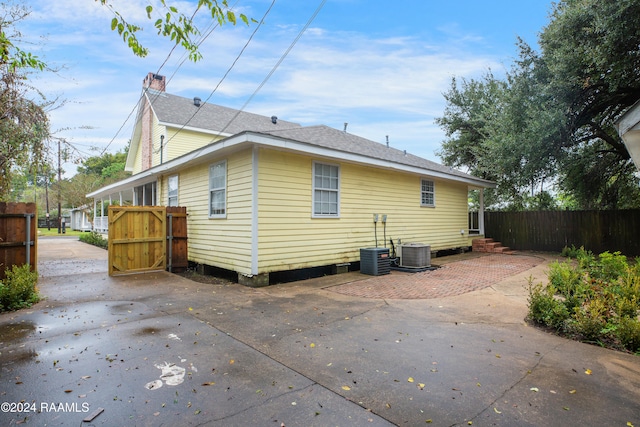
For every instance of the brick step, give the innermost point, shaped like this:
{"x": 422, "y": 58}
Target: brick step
{"x": 490, "y": 246}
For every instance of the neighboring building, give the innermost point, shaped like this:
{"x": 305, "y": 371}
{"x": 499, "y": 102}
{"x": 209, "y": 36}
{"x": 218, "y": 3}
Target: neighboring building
{"x": 265, "y": 195}
{"x": 628, "y": 126}
{"x": 79, "y": 219}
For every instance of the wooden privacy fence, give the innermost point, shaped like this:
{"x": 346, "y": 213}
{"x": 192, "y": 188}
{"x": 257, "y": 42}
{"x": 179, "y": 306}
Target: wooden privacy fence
{"x": 147, "y": 238}
{"x": 597, "y": 231}
{"x": 18, "y": 236}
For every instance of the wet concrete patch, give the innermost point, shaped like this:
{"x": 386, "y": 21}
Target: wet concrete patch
{"x": 206, "y": 376}
{"x": 12, "y": 332}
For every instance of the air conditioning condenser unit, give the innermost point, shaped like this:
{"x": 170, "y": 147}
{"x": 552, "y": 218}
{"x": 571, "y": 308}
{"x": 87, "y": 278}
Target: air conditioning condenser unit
{"x": 415, "y": 255}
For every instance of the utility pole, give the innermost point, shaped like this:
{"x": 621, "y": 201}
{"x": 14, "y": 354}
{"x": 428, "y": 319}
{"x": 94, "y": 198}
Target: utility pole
{"x": 59, "y": 189}
{"x": 46, "y": 195}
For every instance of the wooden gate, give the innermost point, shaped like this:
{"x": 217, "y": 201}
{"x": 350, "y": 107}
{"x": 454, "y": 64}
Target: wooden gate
{"x": 177, "y": 260}
{"x": 18, "y": 235}
{"x": 137, "y": 239}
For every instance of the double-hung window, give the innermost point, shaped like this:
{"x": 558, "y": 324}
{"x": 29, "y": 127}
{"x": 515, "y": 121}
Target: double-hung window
{"x": 326, "y": 190}
{"x": 172, "y": 190}
{"x": 428, "y": 193}
{"x": 218, "y": 190}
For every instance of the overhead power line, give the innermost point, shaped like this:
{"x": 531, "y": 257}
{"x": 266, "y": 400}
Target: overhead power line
{"x": 267, "y": 77}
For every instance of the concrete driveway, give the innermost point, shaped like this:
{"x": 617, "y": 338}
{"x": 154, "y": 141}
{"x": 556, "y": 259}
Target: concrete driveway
{"x": 157, "y": 349}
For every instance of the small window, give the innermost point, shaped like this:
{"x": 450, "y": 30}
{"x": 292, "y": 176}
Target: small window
{"x": 326, "y": 190}
{"x": 428, "y": 193}
{"x": 172, "y": 189}
{"x": 218, "y": 190}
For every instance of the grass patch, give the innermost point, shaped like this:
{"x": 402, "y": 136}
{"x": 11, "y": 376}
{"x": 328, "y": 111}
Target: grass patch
{"x": 54, "y": 232}
{"x": 591, "y": 298}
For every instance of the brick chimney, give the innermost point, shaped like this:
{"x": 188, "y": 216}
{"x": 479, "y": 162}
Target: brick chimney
{"x": 155, "y": 81}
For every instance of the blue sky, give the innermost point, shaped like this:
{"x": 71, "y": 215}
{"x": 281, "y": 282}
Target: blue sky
{"x": 380, "y": 66}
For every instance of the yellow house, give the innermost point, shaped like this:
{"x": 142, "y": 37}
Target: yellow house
{"x": 276, "y": 196}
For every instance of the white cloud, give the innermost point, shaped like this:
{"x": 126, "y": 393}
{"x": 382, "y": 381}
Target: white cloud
{"x": 381, "y": 85}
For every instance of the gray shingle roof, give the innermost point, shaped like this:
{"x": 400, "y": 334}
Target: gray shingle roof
{"x": 334, "y": 139}
{"x": 181, "y": 111}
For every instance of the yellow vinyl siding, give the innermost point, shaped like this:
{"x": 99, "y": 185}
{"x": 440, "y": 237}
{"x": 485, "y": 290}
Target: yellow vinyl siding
{"x": 220, "y": 242}
{"x": 290, "y": 238}
{"x": 179, "y": 142}
{"x": 137, "y": 163}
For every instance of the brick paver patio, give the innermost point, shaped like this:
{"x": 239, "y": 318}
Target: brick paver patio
{"x": 451, "y": 279}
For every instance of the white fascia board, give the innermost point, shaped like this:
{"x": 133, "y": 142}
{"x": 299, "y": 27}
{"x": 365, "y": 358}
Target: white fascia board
{"x": 153, "y": 173}
{"x": 278, "y": 143}
{"x": 126, "y": 184}
{"x": 630, "y": 120}
{"x": 195, "y": 129}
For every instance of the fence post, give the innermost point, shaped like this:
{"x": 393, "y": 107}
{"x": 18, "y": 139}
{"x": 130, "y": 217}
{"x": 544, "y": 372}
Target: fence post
{"x": 28, "y": 243}
{"x": 170, "y": 243}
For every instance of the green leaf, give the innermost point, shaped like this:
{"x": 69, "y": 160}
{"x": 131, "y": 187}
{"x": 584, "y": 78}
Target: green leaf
{"x": 231, "y": 17}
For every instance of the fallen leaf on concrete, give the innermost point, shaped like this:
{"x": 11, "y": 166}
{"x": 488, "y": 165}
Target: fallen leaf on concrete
{"x": 410, "y": 379}
{"x": 572, "y": 392}
{"x": 536, "y": 389}
{"x": 346, "y": 387}
{"x": 209, "y": 383}
{"x": 496, "y": 411}
{"x": 588, "y": 372}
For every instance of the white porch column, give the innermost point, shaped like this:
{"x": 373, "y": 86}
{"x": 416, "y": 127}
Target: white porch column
{"x": 481, "y": 212}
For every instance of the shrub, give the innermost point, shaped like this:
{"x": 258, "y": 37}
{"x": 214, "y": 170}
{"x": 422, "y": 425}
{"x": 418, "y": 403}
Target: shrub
{"x": 94, "y": 238}
{"x": 628, "y": 332}
{"x": 571, "y": 252}
{"x": 545, "y": 308}
{"x": 590, "y": 320}
{"x": 596, "y": 299}
{"x": 18, "y": 290}
{"x": 610, "y": 266}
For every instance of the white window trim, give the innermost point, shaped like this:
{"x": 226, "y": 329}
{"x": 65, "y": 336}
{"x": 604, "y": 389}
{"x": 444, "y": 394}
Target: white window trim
{"x": 169, "y": 190}
{"x": 430, "y": 205}
{"x": 313, "y": 191}
{"x": 224, "y": 215}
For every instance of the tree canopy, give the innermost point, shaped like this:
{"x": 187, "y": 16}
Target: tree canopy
{"x": 24, "y": 125}
{"x": 173, "y": 24}
{"x": 550, "y": 121}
